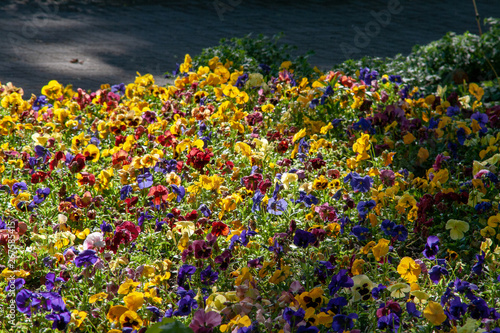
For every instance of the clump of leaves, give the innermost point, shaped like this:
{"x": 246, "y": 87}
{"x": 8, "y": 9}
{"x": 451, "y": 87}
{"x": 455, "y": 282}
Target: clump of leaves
{"x": 447, "y": 61}
{"x": 261, "y": 54}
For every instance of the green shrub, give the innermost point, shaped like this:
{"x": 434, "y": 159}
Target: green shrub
{"x": 249, "y": 52}
{"x": 447, "y": 61}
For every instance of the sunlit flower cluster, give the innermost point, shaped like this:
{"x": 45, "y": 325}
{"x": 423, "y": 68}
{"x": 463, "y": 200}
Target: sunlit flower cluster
{"x": 238, "y": 202}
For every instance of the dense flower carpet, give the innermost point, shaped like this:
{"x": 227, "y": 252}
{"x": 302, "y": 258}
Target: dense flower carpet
{"x": 242, "y": 202}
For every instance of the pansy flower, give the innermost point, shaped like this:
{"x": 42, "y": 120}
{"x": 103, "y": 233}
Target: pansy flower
{"x": 456, "y": 309}
{"x": 362, "y": 287}
{"x": 85, "y": 258}
{"x": 381, "y": 249}
{"x": 389, "y": 322}
{"x": 276, "y": 206}
{"x": 125, "y": 192}
{"x": 91, "y": 153}
{"x": 145, "y": 179}
{"x": 205, "y": 322}
{"x": 204, "y": 210}
{"x": 341, "y": 323}
{"x": 377, "y": 290}
{"x": 478, "y": 266}
{"x": 130, "y": 319}
{"x": 358, "y": 183}
{"x": 303, "y": 238}
{"x": 208, "y": 276}
{"x": 399, "y": 290}
{"x": 19, "y": 187}
{"x": 198, "y": 158}
{"x": 179, "y": 190}
{"x": 478, "y": 308}
{"x": 23, "y": 301}
{"x": 431, "y": 247}
{"x": 364, "y": 207}
{"x": 400, "y": 232}
{"x": 257, "y": 200}
{"x": 360, "y": 232}
{"x": 307, "y": 199}
{"x": 219, "y": 228}
{"x": 185, "y": 272}
{"x": 436, "y": 272}
{"x": 326, "y": 212}
{"x": 60, "y": 320}
{"x": 409, "y": 269}
{"x": 159, "y": 194}
{"x": 387, "y": 227}
{"x": 411, "y": 308}
{"x": 293, "y": 317}
{"x": 335, "y": 305}
{"x": 42, "y": 152}
{"x": 76, "y": 164}
{"x": 457, "y": 228}
{"x": 41, "y": 195}
{"x": 434, "y": 313}
{"x": 340, "y": 280}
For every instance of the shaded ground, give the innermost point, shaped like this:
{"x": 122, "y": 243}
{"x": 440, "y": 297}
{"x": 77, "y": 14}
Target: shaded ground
{"x": 89, "y": 42}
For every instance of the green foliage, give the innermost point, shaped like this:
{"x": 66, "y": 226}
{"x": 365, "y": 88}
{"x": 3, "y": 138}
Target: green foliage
{"x": 249, "y": 52}
{"x": 169, "y": 325}
{"x": 447, "y": 61}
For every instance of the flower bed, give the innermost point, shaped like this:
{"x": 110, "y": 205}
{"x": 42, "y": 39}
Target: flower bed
{"x": 235, "y": 202}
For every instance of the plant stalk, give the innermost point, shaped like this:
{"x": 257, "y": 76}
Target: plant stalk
{"x": 477, "y": 18}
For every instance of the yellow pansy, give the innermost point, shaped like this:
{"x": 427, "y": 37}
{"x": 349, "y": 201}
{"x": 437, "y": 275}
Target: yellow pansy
{"x": 409, "y": 138}
{"x": 311, "y": 299}
{"x": 420, "y": 296}
{"x": 286, "y": 64}
{"x": 127, "y": 286}
{"x": 59, "y": 240}
{"x": 365, "y": 249}
{"x": 82, "y": 234}
{"x": 381, "y": 249}
{"x": 53, "y": 90}
{"x": 457, "y": 228}
{"x": 40, "y": 139}
{"x": 476, "y": 90}
{"x": 255, "y": 80}
{"x": 280, "y": 275}
{"x": 409, "y": 269}
{"x": 287, "y": 178}
{"x": 149, "y": 160}
{"x": 185, "y": 226}
{"x": 77, "y": 317}
{"x": 299, "y": 135}
{"x": 103, "y": 180}
{"x": 239, "y": 321}
{"x": 245, "y": 275}
{"x": 134, "y": 300}
{"x": 357, "y": 267}
{"x": 241, "y": 147}
{"x": 494, "y": 220}
{"x": 131, "y": 319}
{"x": 267, "y": 108}
{"x": 91, "y": 153}
{"x": 97, "y": 297}
{"x": 398, "y": 290}
{"x": 115, "y": 312}
{"x": 320, "y": 183}
{"x": 423, "y": 154}
{"x": 434, "y": 313}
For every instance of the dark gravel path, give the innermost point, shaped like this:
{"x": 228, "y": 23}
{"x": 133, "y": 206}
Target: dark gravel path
{"x": 109, "y": 40}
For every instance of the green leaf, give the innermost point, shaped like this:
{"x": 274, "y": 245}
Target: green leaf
{"x": 169, "y": 325}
